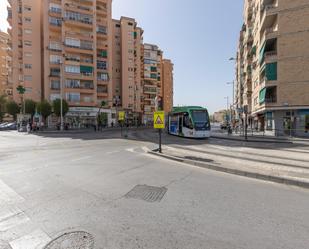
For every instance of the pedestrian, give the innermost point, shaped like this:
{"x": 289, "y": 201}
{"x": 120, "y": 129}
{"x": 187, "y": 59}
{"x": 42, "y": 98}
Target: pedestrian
{"x": 112, "y": 124}
{"x": 28, "y": 127}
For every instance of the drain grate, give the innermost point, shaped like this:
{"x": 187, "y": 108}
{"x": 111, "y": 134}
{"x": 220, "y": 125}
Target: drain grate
{"x": 72, "y": 240}
{"x": 147, "y": 193}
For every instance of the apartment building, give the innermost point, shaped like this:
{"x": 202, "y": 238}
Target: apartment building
{"x": 167, "y": 85}
{"x": 5, "y": 65}
{"x": 24, "y": 18}
{"x": 151, "y": 98}
{"x": 74, "y": 49}
{"x": 272, "y": 66}
{"x": 77, "y": 53}
{"x": 127, "y": 65}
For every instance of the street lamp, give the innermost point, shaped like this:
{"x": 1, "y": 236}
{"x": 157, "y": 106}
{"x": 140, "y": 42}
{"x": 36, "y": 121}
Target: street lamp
{"x": 233, "y": 100}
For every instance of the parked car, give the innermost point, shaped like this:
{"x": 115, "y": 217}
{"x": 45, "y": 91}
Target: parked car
{"x": 2, "y": 125}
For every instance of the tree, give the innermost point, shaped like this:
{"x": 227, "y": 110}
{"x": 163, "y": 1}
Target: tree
{"x": 12, "y": 108}
{"x": 2, "y": 106}
{"x": 44, "y": 108}
{"x": 57, "y": 107}
{"x": 30, "y": 107}
{"x": 103, "y": 119}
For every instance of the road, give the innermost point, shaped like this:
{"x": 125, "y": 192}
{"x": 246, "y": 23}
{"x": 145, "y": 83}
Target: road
{"x": 53, "y": 185}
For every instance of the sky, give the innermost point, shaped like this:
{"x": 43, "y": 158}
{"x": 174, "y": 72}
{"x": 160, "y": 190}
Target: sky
{"x": 199, "y": 36}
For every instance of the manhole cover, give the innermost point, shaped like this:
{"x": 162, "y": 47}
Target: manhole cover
{"x": 72, "y": 240}
{"x": 147, "y": 193}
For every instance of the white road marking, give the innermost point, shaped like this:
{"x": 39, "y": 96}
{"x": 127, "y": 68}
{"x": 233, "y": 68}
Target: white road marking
{"x": 131, "y": 150}
{"x": 12, "y": 220}
{"x": 145, "y": 149}
{"x": 8, "y": 195}
{"x": 113, "y": 152}
{"x": 34, "y": 240}
{"x": 81, "y": 158}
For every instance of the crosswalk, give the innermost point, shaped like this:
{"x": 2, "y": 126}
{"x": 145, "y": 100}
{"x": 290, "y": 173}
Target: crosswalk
{"x": 16, "y": 228}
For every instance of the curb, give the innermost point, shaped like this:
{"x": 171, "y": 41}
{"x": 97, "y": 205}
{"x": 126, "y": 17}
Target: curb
{"x": 252, "y": 140}
{"x": 264, "y": 177}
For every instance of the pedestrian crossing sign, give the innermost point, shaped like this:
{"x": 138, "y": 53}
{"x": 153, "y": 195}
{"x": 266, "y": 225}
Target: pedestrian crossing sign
{"x": 159, "y": 120}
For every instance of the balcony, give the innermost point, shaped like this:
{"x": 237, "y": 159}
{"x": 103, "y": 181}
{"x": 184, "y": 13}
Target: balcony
{"x": 271, "y": 56}
{"x": 79, "y": 8}
{"x": 269, "y": 16}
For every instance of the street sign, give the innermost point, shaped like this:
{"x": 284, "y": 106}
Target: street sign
{"x": 159, "y": 120}
{"x": 121, "y": 116}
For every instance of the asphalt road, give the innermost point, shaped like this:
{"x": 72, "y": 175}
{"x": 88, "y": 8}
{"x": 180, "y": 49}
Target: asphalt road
{"x": 52, "y": 185}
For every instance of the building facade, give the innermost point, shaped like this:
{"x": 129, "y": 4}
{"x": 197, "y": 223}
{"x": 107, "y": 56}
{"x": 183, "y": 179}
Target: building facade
{"x": 127, "y": 65}
{"x": 272, "y": 66}
{"x": 74, "y": 49}
{"x": 151, "y": 81}
{"x": 5, "y": 65}
{"x": 24, "y": 18}
{"x": 167, "y": 85}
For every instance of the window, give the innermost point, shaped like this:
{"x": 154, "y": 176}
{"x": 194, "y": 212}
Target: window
{"x": 55, "y": 21}
{"x": 28, "y": 43}
{"x": 73, "y": 97}
{"x": 55, "y": 8}
{"x": 102, "y": 30}
{"x": 28, "y": 66}
{"x": 72, "y": 69}
{"x": 103, "y": 76}
{"x": 71, "y": 83}
{"x": 55, "y": 84}
{"x": 71, "y": 42}
{"x": 27, "y": 8}
{"x": 28, "y": 54}
{"x": 28, "y": 31}
{"x": 27, "y": 19}
{"x": 55, "y": 72}
{"x": 55, "y": 59}
{"x": 28, "y": 77}
{"x": 102, "y": 65}
{"x": 55, "y": 46}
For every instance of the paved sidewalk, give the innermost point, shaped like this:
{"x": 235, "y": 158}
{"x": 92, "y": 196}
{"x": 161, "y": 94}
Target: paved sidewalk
{"x": 288, "y": 171}
{"x": 258, "y": 138}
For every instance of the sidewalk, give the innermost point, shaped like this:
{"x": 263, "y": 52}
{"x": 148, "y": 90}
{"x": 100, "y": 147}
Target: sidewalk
{"x": 257, "y": 137}
{"x": 290, "y": 174}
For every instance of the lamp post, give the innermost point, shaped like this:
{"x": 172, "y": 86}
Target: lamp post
{"x": 233, "y": 99}
{"x": 61, "y": 95}
{"x": 227, "y": 108}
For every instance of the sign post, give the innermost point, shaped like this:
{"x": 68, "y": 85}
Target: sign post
{"x": 159, "y": 123}
{"x": 121, "y": 116}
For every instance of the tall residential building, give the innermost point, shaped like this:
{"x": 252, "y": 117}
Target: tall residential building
{"x": 272, "y": 66}
{"x": 24, "y": 18}
{"x": 167, "y": 85}
{"x": 5, "y": 65}
{"x": 74, "y": 49}
{"x": 127, "y": 65}
{"x": 77, "y": 45}
{"x": 151, "y": 80}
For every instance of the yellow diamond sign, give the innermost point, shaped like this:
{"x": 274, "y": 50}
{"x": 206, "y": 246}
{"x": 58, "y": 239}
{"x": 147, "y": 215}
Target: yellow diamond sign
{"x": 159, "y": 120}
{"x": 121, "y": 116}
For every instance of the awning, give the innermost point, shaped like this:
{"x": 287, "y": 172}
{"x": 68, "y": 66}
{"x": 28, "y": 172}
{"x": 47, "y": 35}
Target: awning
{"x": 253, "y": 50}
{"x": 262, "y": 95}
{"x": 271, "y": 71}
{"x": 86, "y": 69}
{"x": 104, "y": 53}
{"x": 262, "y": 53}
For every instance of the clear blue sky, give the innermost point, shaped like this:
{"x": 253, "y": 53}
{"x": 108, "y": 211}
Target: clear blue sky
{"x": 199, "y": 36}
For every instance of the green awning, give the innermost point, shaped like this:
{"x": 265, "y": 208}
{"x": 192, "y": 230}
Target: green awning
{"x": 135, "y": 35}
{"x": 104, "y": 53}
{"x": 271, "y": 71}
{"x": 262, "y": 95}
{"x": 262, "y": 53}
{"x": 86, "y": 69}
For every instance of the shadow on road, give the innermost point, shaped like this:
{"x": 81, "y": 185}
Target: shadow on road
{"x": 151, "y": 135}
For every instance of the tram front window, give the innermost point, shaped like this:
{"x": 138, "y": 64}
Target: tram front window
{"x": 201, "y": 120}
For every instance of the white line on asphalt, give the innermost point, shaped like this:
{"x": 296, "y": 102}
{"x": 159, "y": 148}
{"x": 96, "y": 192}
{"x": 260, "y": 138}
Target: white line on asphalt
{"x": 8, "y": 195}
{"x": 131, "y": 150}
{"x": 13, "y": 220}
{"x": 113, "y": 152}
{"x": 34, "y": 240}
{"x": 81, "y": 158}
